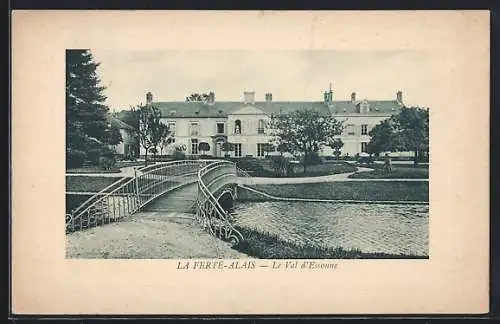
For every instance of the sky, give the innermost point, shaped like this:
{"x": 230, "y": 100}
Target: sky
{"x": 288, "y": 75}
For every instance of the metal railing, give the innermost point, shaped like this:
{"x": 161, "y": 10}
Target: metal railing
{"x": 128, "y": 195}
{"x": 210, "y": 214}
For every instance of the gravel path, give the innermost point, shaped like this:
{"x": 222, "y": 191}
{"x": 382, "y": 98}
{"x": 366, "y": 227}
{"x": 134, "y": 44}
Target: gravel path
{"x": 149, "y": 235}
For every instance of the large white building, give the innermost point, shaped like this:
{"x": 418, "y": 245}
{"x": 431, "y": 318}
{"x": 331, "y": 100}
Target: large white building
{"x": 242, "y": 123}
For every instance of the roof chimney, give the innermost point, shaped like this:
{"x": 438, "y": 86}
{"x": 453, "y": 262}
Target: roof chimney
{"x": 328, "y": 96}
{"x": 249, "y": 97}
{"x": 149, "y": 98}
{"x": 211, "y": 98}
{"x": 269, "y": 97}
{"x": 353, "y": 97}
{"x": 399, "y": 97}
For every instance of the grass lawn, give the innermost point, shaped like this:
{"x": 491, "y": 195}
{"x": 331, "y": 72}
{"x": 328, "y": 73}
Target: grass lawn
{"x": 92, "y": 169}
{"x": 350, "y": 190}
{"x": 265, "y": 169}
{"x": 270, "y": 246}
{"x": 73, "y": 201}
{"x": 88, "y": 184}
{"x": 398, "y": 172}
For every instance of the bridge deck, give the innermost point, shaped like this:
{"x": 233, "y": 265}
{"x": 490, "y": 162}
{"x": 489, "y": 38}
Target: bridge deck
{"x": 179, "y": 200}
{"x": 164, "y": 229}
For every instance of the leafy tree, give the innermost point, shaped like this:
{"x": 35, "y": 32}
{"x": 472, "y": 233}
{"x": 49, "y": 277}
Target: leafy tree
{"x": 114, "y": 137}
{"x": 406, "y": 131}
{"x": 179, "y": 152}
{"x": 204, "y": 147}
{"x": 336, "y": 146}
{"x": 304, "y": 131}
{"x": 165, "y": 138}
{"x": 269, "y": 147}
{"x": 150, "y": 129}
{"x": 86, "y": 114}
{"x": 130, "y": 117}
{"x": 411, "y": 131}
{"x": 198, "y": 97}
{"x": 382, "y": 138}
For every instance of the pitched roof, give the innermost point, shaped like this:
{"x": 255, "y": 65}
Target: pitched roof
{"x": 120, "y": 124}
{"x": 376, "y": 107}
{"x": 180, "y": 109}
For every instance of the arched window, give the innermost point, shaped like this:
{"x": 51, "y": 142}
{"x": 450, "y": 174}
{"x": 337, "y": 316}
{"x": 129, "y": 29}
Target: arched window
{"x": 261, "y": 127}
{"x": 237, "y": 126}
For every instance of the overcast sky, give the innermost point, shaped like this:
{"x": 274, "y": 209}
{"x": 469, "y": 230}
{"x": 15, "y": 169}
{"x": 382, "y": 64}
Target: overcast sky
{"x": 288, "y": 75}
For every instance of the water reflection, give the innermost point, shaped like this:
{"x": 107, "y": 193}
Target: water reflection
{"x": 368, "y": 227}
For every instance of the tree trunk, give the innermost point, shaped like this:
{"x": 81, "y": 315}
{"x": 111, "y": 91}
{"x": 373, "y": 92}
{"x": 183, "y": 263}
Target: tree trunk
{"x": 415, "y": 161}
{"x": 305, "y": 163}
{"x": 146, "y": 158}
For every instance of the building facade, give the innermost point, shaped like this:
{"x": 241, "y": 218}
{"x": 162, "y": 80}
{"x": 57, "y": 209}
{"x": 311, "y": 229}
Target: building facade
{"x": 243, "y": 123}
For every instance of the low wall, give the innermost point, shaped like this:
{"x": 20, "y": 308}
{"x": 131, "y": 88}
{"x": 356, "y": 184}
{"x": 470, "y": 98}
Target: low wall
{"x": 362, "y": 191}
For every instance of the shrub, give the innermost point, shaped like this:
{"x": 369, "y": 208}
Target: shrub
{"x": 75, "y": 158}
{"x": 179, "y": 155}
{"x": 106, "y": 163}
{"x": 365, "y": 159}
{"x": 249, "y": 164}
{"x": 281, "y": 165}
{"x": 312, "y": 158}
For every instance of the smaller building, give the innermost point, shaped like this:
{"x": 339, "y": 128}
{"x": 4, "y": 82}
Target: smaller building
{"x": 129, "y": 145}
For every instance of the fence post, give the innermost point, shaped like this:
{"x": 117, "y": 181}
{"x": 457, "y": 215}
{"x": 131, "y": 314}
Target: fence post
{"x": 137, "y": 188}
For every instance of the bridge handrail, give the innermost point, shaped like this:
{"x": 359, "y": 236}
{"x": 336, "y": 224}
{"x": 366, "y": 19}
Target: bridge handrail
{"x": 122, "y": 183}
{"x": 210, "y": 197}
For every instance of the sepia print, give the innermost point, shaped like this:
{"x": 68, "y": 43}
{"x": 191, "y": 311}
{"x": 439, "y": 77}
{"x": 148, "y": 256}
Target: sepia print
{"x": 221, "y": 162}
{"x": 245, "y": 154}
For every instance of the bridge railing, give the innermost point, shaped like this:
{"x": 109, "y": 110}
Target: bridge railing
{"x": 210, "y": 214}
{"x": 128, "y": 195}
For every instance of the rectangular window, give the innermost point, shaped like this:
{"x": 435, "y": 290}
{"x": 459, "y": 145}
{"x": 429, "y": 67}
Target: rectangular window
{"x": 363, "y": 147}
{"x": 194, "y": 146}
{"x": 194, "y": 129}
{"x": 260, "y": 149}
{"x": 261, "y": 127}
{"x": 237, "y": 150}
{"x": 220, "y": 128}
{"x": 171, "y": 128}
{"x": 364, "y": 129}
{"x": 350, "y": 129}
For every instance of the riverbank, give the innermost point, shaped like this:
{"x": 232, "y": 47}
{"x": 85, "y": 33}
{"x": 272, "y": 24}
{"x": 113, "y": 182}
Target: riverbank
{"x": 269, "y": 246}
{"x": 372, "y": 190}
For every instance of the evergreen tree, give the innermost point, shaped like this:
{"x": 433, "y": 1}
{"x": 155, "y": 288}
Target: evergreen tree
{"x": 87, "y": 123}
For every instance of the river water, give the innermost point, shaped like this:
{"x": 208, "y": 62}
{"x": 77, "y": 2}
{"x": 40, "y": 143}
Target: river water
{"x": 385, "y": 228}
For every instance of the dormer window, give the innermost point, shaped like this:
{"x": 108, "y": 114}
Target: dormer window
{"x": 237, "y": 126}
{"x": 365, "y": 106}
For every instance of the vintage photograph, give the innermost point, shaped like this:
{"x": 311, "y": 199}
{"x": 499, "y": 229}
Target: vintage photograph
{"x": 246, "y": 154}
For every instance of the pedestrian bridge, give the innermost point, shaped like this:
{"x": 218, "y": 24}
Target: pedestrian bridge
{"x": 206, "y": 188}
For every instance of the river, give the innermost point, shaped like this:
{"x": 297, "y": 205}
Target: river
{"x": 385, "y": 228}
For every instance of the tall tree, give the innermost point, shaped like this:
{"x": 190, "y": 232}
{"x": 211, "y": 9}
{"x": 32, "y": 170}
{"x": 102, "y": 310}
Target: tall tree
{"x": 382, "y": 137}
{"x": 411, "y": 131}
{"x": 304, "y": 131}
{"x": 86, "y": 114}
{"x": 406, "y": 131}
{"x": 149, "y": 129}
{"x": 164, "y": 135}
{"x": 336, "y": 146}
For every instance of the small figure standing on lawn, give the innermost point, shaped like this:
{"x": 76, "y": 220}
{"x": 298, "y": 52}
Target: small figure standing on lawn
{"x": 387, "y": 164}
